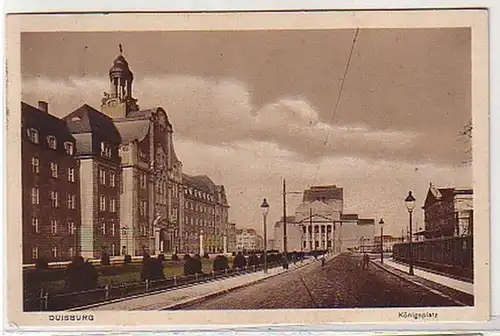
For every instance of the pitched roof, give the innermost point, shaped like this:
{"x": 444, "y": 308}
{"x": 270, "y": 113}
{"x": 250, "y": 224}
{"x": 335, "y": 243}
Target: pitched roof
{"x": 444, "y": 194}
{"x": 131, "y": 130}
{"x": 86, "y": 119}
{"x": 44, "y": 122}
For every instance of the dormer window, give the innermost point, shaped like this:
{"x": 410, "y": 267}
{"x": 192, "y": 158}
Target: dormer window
{"x": 69, "y": 148}
{"x": 33, "y": 135}
{"x": 105, "y": 149}
{"x": 52, "y": 142}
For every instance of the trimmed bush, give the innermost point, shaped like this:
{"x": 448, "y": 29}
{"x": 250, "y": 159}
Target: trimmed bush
{"x": 221, "y": 263}
{"x": 239, "y": 261}
{"x": 80, "y": 275}
{"x": 161, "y": 257}
{"x": 175, "y": 257}
{"x": 127, "y": 259}
{"x": 206, "y": 255}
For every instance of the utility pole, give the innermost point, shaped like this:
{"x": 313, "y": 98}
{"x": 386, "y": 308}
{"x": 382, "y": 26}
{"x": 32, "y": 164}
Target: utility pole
{"x": 313, "y": 234}
{"x": 284, "y": 219}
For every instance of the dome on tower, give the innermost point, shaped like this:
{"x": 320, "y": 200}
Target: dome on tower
{"x": 120, "y": 68}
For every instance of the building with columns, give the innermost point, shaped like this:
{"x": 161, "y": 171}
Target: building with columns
{"x": 320, "y": 224}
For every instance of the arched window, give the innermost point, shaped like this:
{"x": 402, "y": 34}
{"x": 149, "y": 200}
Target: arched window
{"x": 52, "y": 142}
{"x": 33, "y": 135}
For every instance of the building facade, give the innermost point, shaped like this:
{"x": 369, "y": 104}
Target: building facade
{"x": 248, "y": 240}
{"x": 231, "y": 237}
{"x": 50, "y": 187}
{"x": 132, "y": 197}
{"x": 319, "y": 224}
{"x": 206, "y": 215}
{"x": 448, "y": 212}
{"x": 97, "y": 142}
{"x": 387, "y": 243}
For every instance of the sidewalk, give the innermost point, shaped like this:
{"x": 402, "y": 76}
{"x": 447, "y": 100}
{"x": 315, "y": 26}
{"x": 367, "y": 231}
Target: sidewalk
{"x": 175, "y": 297}
{"x": 462, "y": 286}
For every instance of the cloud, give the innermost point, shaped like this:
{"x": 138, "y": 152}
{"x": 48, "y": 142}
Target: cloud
{"x": 217, "y": 111}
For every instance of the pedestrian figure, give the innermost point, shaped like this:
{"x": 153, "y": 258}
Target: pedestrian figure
{"x": 366, "y": 261}
{"x": 323, "y": 261}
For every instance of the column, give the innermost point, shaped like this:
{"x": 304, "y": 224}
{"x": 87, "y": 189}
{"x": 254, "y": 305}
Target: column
{"x": 201, "y": 243}
{"x": 225, "y": 243}
{"x": 158, "y": 244}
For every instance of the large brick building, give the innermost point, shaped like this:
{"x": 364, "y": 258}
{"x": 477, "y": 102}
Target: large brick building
{"x": 448, "y": 212}
{"x": 132, "y": 194}
{"x": 50, "y": 187}
{"x": 205, "y": 214}
{"x": 97, "y": 141}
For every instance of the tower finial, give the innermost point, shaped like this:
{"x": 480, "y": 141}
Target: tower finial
{"x": 121, "y": 49}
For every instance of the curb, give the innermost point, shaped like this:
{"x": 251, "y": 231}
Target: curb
{"x": 432, "y": 290}
{"x": 188, "y": 302}
{"x": 452, "y": 276}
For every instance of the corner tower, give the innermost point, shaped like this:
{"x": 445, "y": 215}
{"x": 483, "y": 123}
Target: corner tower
{"x": 118, "y": 103}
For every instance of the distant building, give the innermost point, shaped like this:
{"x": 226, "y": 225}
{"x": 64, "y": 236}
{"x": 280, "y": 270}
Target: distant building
{"x": 248, "y": 240}
{"x": 231, "y": 237}
{"x": 319, "y": 224}
{"x": 271, "y": 244}
{"x": 388, "y": 242}
{"x": 448, "y": 212}
{"x": 50, "y": 187}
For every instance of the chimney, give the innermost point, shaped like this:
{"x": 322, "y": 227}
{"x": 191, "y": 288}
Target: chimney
{"x": 43, "y": 105}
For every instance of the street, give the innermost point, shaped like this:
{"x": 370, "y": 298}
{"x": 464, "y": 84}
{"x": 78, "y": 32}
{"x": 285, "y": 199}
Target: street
{"x": 341, "y": 283}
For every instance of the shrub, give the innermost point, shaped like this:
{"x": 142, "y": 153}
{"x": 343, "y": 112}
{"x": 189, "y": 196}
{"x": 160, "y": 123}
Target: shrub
{"x": 127, "y": 259}
{"x": 239, "y": 261}
{"x": 80, "y": 275}
{"x": 197, "y": 264}
{"x": 253, "y": 260}
{"x": 156, "y": 270}
{"x": 146, "y": 267}
{"x": 233, "y": 253}
{"x": 221, "y": 263}
{"x": 161, "y": 257}
{"x": 175, "y": 257}
{"x": 105, "y": 259}
{"x": 206, "y": 255}
{"x": 41, "y": 264}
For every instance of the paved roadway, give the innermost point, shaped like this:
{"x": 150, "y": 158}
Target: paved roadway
{"x": 340, "y": 284}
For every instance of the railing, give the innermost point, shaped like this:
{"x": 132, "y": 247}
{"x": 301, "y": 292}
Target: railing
{"x": 46, "y": 301}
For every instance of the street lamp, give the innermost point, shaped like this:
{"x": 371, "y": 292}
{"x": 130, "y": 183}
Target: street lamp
{"x": 381, "y": 223}
{"x": 264, "y": 208}
{"x": 410, "y": 205}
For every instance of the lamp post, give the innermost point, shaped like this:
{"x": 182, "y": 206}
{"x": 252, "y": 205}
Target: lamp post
{"x": 410, "y": 205}
{"x": 381, "y": 223}
{"x": 265, "y": 209}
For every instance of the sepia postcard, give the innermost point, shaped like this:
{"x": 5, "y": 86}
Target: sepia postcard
{"x": 247, "y": 168}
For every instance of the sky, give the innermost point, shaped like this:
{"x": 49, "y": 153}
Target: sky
{"x": 250, "y": 108}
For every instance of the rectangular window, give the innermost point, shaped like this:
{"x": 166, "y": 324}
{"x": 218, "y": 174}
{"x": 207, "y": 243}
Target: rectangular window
{"x": 71, "y": 227}
{"x": 54, "y": 252}
{"x": 113, "y": 226}
{"x": 34, "y": 223}
{"x": 71, "y": 201}
{"x": 143, "y": 180}
{"x": 35, "y": 199}
{"x": 102, "y": 203}
{"x": 53, "y": 226}
{"x": 103, "y": 228}
{"x": 71, "y": 252}
{"x": 34, "y": 253}
{"x": 102, "y": 176}
{"x": 143, "y": 208}
{"x": 113, "y": 249}
{"x": 112, "y": 205}
{"x": 112, "y": 179}
{"x": 71, "y": 174}
{"x": 35, "y": 165}
{"x": 53, "y": 169}
{"x": 68, "y": 147}
{"x": 54, "y": 199}
{"x": 105, "y": 150}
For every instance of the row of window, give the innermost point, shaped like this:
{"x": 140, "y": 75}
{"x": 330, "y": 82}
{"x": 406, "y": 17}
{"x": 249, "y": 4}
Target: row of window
{"x": 198, "y": 221}
{"x": 107, "y": 177}
{"x": 34, "y": 137}
{"x": 197, "y": 193}
{"x": 54, "y": 169}
{"x": 107, "y": 203}
{"x": 71, "y": 252}
{"x": 199, "y": 207}
{"x": 108, "y": 228}
{"x": 54, "y": 226}
{"x": 53, "y": 197}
